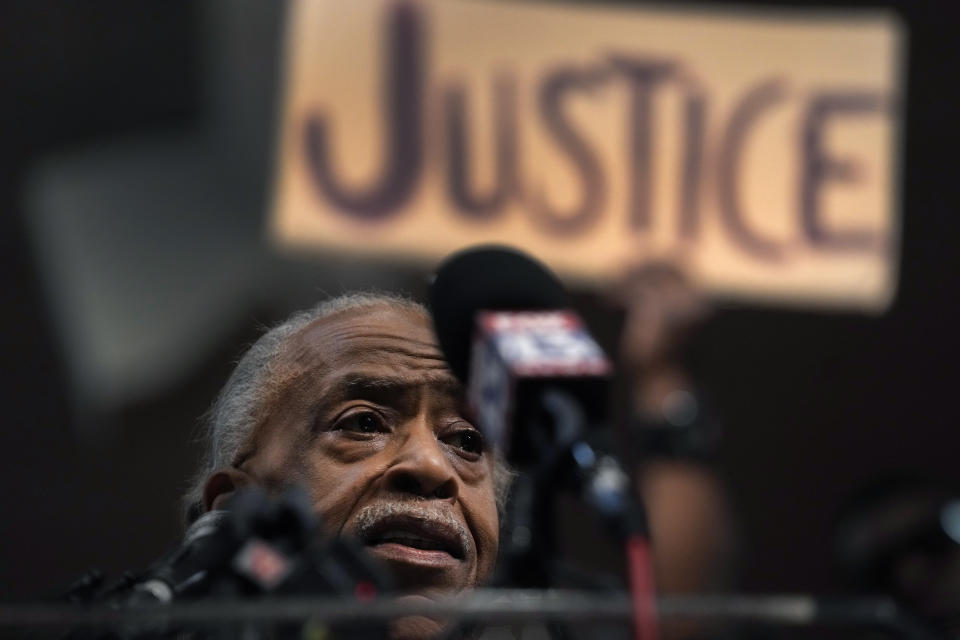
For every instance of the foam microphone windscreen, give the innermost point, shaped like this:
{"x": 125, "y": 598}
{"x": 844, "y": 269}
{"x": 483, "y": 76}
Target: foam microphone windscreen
{"x": 486, "y": 278}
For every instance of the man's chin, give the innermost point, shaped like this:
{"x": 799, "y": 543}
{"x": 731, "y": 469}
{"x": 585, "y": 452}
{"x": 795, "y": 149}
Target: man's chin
{"x": 418, "y": 627}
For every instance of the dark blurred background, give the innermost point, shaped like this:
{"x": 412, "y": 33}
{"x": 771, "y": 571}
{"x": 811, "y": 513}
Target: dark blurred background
{"x": 815, "y": 404}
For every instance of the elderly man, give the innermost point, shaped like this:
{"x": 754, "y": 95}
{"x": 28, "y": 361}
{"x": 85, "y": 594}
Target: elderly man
{"x": 354, "y": 401}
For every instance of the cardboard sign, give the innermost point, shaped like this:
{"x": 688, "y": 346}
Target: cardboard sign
{"x": 759, "y": 147}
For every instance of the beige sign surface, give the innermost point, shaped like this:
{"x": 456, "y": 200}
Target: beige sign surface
{"x": 759, "y": 148}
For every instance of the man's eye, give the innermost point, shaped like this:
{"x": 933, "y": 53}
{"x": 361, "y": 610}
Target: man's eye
{"x": 469, "y": 440}
{"x": 361, "y": 422}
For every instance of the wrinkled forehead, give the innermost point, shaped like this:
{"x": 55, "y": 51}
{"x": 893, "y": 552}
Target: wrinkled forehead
{"x": 381, "y": 338}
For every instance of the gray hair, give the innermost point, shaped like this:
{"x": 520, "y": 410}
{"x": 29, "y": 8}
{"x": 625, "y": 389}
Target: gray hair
{"x": 233, "y": 416}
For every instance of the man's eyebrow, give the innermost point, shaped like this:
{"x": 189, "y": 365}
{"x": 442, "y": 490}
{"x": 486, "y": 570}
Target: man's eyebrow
{"x": 387, "y": 388}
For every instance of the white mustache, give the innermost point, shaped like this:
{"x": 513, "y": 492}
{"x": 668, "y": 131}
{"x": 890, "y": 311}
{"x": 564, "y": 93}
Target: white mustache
{"x": 371, "y": 515}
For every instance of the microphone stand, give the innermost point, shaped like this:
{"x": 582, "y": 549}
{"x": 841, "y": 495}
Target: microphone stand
{"x": 556, "y": 432}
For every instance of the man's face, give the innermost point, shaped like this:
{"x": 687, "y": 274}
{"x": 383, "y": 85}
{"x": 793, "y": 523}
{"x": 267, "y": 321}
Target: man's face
{"x": 363, "y": 411}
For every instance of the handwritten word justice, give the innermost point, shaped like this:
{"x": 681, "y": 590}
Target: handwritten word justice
{"x": 404, "y": 93}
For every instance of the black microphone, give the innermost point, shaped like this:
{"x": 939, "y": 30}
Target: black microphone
{"x": 504, "y": 324}
{"x": 537, "y": 385}
{"x": 259, "y": 545}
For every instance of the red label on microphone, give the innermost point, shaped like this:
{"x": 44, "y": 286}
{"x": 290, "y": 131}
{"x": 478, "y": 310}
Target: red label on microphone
{"x": 515, "y": 347}
{"x": 543, "y": 344}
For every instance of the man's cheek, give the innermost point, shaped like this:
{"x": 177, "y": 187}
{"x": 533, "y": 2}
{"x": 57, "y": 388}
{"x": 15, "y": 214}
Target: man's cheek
{"x": 336, "y": 491}
{"x": 485, "y": 523}
{"x": 280, "y": 465}
{"x": 493, "y": 545}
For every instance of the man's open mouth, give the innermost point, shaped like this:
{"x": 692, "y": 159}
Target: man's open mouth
{"x": 414, "y": 533}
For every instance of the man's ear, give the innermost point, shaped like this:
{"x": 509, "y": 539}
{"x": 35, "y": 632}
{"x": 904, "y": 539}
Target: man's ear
{"x": 221, "y": 485}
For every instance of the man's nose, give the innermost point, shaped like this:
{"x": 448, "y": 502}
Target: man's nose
{"x": 421, "y": 466}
